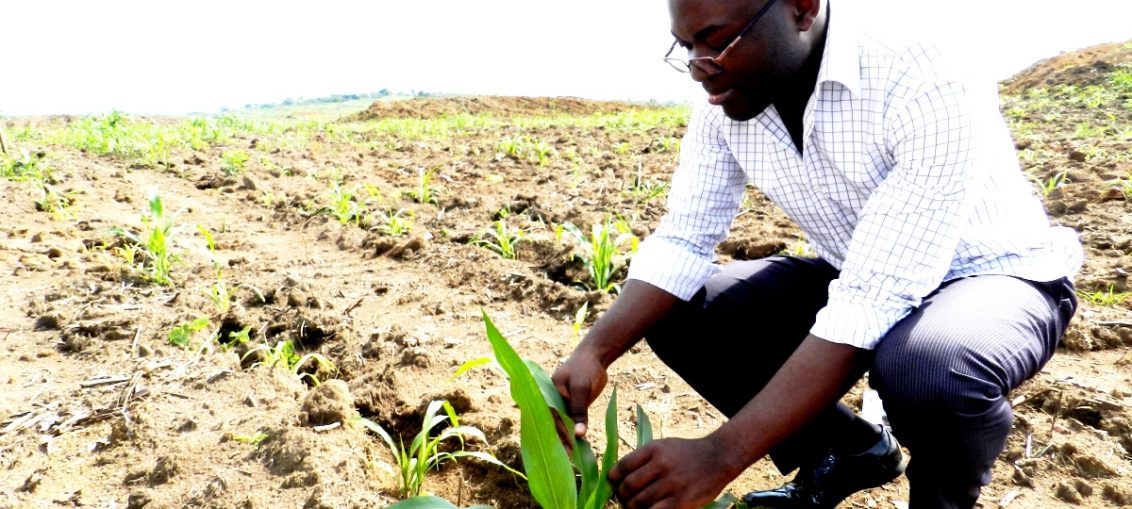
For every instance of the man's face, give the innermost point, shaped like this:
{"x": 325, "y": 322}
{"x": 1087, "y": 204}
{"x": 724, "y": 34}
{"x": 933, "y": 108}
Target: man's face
{"x": 757, "y": 70}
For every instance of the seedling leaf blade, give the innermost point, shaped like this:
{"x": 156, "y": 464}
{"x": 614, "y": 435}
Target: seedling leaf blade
{"x": 470, "y": 365}
{"x": 423, "y": 502}
{"x": 549, "y": 473}
{"x": 644, "y": 427}
{"x": 604, "y": 489}
{"x": 586, "y": 462}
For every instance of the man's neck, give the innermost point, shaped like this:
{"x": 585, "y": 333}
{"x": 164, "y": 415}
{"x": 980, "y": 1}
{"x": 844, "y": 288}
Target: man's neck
{"x": 791, "y": 108}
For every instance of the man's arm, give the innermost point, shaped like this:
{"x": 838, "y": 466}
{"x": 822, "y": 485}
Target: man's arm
{"x": 684, "y": 473}
{"x": 582, "y": 377}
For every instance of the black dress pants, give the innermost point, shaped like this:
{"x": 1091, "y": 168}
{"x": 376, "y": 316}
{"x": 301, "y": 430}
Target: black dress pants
{"x": 944, "y": 372}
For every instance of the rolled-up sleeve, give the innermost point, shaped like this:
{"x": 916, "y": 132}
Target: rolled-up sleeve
{"x": 703, "y": 198}
{"x": 909, "y": 229}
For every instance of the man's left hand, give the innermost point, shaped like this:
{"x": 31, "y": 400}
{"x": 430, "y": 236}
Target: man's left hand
{"x": 672, "y": 473}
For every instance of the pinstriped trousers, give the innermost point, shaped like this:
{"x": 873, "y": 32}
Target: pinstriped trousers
{"x": 944, "y": 372}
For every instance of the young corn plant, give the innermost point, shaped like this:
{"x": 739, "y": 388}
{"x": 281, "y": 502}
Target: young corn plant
{"x": 219, "y": 292}
{"x": 603, "y": 253}
{"x": 424, "y": 453}
{"x": 554, "y": 481}
{"x": 154, "y": 246}
{"x": 392, "y": 222}
{"x": 424, "y": 193}
{"x": 232, "y": 162}
{"x": 501, "y": 239}
{"x": 53, "y": 201}
{"x": 580, "y": 320}
{"x": 283, "y": 354}
{"x": 343, "y": 205}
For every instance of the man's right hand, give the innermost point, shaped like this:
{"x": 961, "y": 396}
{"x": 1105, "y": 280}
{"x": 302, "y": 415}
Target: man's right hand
{"x": 580, "y": 380}
{"x": 583, "y": 376}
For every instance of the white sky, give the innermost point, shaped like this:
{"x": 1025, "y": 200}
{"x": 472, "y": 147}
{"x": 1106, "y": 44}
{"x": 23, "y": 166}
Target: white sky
{"x": 156, "y": 56}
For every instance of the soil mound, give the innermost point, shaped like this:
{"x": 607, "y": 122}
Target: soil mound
{"x": 428, "y": 107}
{"x": 1089, "y": 66}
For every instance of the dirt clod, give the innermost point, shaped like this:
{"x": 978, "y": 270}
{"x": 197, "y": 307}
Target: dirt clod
{"x": 328, "y": 403}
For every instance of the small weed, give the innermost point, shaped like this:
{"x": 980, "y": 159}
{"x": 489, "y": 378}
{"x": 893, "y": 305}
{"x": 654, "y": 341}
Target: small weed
{"x": 181, "y": 335}
{"x": 1050, "y": 184}
{"x": 253, "y": 440}
{"x": 1104, "y": 298}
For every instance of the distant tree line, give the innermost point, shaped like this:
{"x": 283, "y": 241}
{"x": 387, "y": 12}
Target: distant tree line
{"x": 337, "y": 98}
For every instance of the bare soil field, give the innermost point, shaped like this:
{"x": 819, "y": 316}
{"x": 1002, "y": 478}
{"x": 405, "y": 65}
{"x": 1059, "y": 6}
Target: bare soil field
{"x": 362, "y": 242}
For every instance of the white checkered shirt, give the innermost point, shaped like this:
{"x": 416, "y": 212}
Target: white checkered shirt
{"x": 908, "y": 178}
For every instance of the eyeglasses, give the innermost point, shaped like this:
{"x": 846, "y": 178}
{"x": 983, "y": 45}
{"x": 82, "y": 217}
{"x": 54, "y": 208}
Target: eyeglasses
{"x": 711, "y": 65}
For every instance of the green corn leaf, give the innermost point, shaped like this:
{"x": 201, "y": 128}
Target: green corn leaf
{"x": 586, "y": 462}
{"x": 550, "y": 392}
{"x": 725, "y": 501}
{"x": 604, "y": 489}
{"x": 488, "y": 458}
{"x": 549, "y": 473}
{"x": 429, "y": 502}
{"x": 470, "y": 365}
{"x": 644, "y": 427}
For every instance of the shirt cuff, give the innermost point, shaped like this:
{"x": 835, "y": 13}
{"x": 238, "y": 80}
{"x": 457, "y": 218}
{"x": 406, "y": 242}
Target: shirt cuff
{"x": 858, "y": 324}
{"x": 670, "y": 267}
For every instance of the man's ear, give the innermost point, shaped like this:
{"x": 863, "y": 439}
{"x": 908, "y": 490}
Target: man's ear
{"x": 805, "y": 13}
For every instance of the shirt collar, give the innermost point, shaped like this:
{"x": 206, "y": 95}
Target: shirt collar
{"x": 840, "y": 60}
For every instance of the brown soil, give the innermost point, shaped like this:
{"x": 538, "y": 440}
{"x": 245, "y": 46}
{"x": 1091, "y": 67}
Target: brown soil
{"x": 100, "y": 410}
{"x": 498, "y": 106}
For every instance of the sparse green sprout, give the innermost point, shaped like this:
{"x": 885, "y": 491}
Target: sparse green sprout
{"x": 425, "y": 453}
{"x": 393, "y": 222}
{"x": 53, "y": 201}
{"x": 424, "y": 193}
{"x": 500, "y": 239}
{"x": 1104, "y": 298}
{"x": 580, "y": 320}
{"x": 232, "y": 162}
{"x": 253, "y": 440}
{"x": 603, "y": 253}
{"x": 218, "y": 292}
{"x": 283, "y": 354}
{"x": 1051, "y": 184}
{"x": 26, "y": 166}
{"x": 646, "y": 191}
{"x": 181, "y": 335}
{"x": 237, "y": 338}
{"x": 665, "y": 144}
{"x": 343, "y": 206}
{"x": 155, "y": 246}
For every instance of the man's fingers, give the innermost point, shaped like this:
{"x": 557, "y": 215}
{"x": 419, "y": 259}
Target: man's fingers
{"x": 637, "y": 482}
{"x": 648, "y": 496}
{"x": 579, "y": 403}
{"x": 630, "y": 463}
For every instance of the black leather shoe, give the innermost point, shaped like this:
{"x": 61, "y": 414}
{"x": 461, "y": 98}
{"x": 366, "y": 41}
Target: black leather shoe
{"x": 834, "y": 478}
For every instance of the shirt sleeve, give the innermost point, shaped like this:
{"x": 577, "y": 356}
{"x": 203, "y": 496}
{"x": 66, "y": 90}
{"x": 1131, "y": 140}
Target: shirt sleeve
{"x": 910, "y": 226}
{"x": 703, "y": 198}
